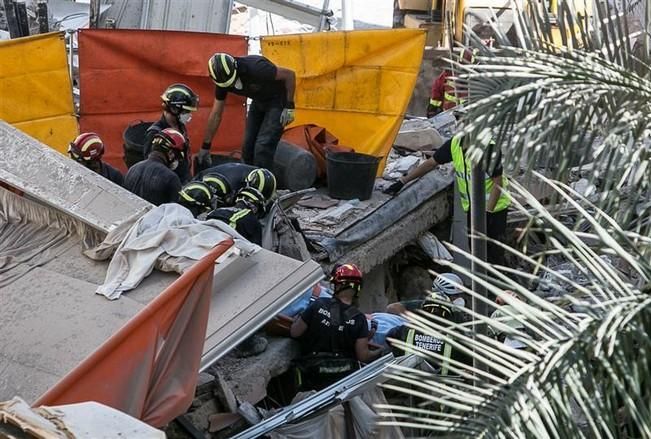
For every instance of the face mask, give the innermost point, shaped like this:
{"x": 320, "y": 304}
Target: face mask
{"x": 185, "y": 118}
{"x": 174, "y": 165}
{"x": 460, "y": 302}
{"x": 238, "y": 84}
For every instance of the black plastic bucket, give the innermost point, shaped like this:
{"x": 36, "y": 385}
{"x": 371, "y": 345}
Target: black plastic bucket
{"x": 134, "y": 142}
{"x": 351, "y": 175}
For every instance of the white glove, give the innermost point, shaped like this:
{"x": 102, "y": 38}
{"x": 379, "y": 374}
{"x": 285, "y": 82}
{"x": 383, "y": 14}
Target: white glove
{"x": 287, "y": 116}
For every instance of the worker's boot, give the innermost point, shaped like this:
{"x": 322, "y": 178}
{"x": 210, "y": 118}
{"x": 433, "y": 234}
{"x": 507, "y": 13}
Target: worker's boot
{"x": 254, "y": 345}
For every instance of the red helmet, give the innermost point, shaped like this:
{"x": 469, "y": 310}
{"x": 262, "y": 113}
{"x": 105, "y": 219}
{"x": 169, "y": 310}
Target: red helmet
{"x": 86, "y": 147}
{"x": 168, "y": 139}
{"x": 346, "y": 276}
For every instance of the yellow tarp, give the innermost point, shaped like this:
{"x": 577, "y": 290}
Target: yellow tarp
{"x": 35, "y": 89}
{"x": 356, "y": 84}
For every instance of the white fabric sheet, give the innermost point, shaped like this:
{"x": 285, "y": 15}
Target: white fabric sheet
{"x": 169, "y": 238}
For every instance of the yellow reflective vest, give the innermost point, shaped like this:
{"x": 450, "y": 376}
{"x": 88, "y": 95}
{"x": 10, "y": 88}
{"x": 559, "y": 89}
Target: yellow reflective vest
{"x": 462, "y": 173}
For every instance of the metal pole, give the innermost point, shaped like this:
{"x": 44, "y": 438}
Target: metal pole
{"x": 43, "y": 25}
{"x": 478, "y": 227}
{"x": 94, "y": 14}
{"x": 21, "y": 15}
{"x": 347, "y": 14}
{"x": 647, "y": 28}
{"x": 12, "y": 20}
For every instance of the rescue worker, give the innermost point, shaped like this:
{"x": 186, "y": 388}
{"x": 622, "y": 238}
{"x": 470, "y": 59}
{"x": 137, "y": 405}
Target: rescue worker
{"x": 219, "y": 186}
{"x": 179, "y": 102}
{"x": 196, "y": 197}
{"x": 333, "y": 333}
{"x": 88, "y": 150}
{"x": 444, "y": 95}
{"x": 271, "y": 89}
{"x": 244, "y": 215}
{"x": 497, "y": 202}
{"x": 446, "y": 284}
{"x": 239, "y": 175}
{"x": 436, "y": 305}
{"x": 154, "y": 179}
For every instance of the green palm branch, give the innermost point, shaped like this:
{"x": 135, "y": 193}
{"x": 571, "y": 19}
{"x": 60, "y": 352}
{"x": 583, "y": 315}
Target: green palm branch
{"x": 581, "y": 108}
{"x": 585, "y": 370}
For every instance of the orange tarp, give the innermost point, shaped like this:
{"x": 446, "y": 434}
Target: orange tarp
{"x": 122, "y": 74}
{"x": 149, "y": 368}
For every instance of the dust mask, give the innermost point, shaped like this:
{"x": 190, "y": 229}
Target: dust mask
{"x": 174, "y": 164}
{"x": 460, "y": 302}
{"x": 185, "y": 118}
{"x": 238, "y": 84}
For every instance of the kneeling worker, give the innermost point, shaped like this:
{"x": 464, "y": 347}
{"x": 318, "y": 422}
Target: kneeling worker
{"x": 333, "y": 333}
{"x": 196, "y": 197}
{"x": 244, "y": 216}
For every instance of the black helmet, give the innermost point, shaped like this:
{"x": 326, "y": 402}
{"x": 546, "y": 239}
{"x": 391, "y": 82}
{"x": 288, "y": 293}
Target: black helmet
{"x": 196, "y": 196}
{"x": 222, "y": 68}
{"x": 179, "y": 98}
{"x": 252, "y": 198}
{"x": 263, "y": 180}
{"x": 434, "y": 305}
{"x": 218, "y": 184}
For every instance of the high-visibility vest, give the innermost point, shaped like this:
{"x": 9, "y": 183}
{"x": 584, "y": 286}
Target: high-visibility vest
{"x": 447, "y": 350}
{"x": 462, "y": 174}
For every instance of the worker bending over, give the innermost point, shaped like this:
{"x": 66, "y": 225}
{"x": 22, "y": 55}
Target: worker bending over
{"x": 271, "y": 89}
{"x": 154, "y": 179}
{"x": 88, "y": 150}
{"x": 497, "y": 202}
{"x": 196, "y": 197}
{"x": 245, "y": 215}
{"x": 227, "y": 179}
{"x": 333, "y": 333}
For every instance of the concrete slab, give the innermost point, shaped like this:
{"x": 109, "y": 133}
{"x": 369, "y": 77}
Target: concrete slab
{"x": 58, "y": 181}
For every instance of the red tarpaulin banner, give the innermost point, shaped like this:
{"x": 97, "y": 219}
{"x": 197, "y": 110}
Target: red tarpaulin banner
{"x": 123, "y": 72}
{"x": 149, "y": 368}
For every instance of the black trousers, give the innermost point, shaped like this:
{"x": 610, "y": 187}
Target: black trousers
{"x": 262, "y": 133}
{"x": 495, "y": 229}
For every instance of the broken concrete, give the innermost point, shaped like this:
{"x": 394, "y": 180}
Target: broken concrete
{"x": 248, "y": 378}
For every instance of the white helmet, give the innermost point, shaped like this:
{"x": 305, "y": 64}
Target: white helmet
{"x": 446, "y": 283}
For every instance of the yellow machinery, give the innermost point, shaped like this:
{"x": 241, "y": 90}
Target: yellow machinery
{"x": 473, "y": 13}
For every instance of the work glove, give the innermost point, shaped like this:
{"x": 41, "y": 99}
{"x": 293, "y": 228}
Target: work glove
{"x": 203, "y": 157}
{"x": 287, "y": 116}
{"x": 394, "y": 188}
{"x": 433, "y": 111}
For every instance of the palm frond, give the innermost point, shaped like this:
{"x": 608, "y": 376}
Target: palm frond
{"x": 584, "y": 372}
{"x": 578, "y": 103}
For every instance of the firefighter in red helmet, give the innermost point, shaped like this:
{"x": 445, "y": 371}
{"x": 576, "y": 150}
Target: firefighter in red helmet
{"x": 88, "y": 150}
{"x": 333, "y": 333}
{"x": 445, "y": 95}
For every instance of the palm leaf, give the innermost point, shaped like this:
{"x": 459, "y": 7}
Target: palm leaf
{"x": 584, "y": 374}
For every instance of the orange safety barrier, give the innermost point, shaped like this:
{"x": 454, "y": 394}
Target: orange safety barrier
{"x": 123, "y": 72}
{"x": 149, "y": 368}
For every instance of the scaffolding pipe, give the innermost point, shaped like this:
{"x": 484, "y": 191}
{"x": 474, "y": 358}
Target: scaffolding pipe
{"x": 347, "y": 15}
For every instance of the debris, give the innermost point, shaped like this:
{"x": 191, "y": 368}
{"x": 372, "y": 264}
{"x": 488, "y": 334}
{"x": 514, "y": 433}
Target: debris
{"x": 254, "y": 345}
{"x": 419, "y": 140}
{"x": 584, "y": 187}
{"x": 224, "y": 394}
{"x": 318, "y": 201}
{"x": 249, "y": 412}
{"x": 399, "y": 167}
{"x": 205, "y": 383}
{"x": 220, "y": 421}
{"x": 87, "y": 420}
{"x": 433, "y": 247}
{"x": 336, "y": 215}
